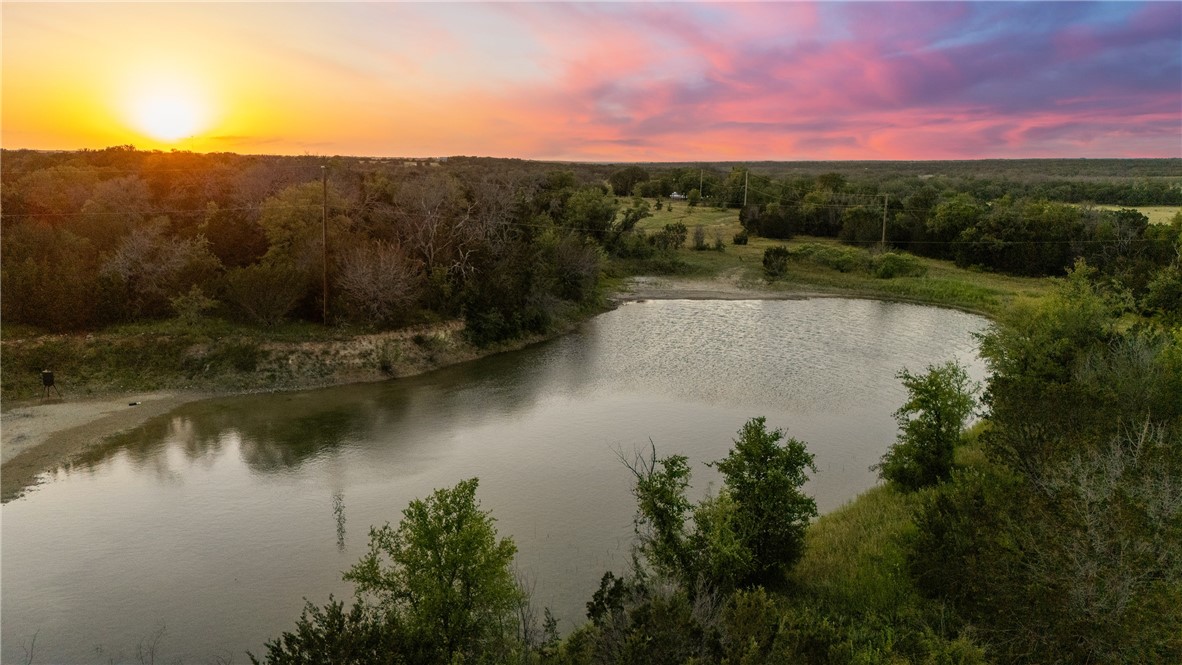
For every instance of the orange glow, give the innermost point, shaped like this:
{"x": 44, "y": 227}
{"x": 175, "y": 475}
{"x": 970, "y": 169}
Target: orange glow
{"x": 168, "y": 113}
{"x": 598, "y": 81}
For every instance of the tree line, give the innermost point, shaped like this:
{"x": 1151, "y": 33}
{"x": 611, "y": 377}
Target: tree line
{"x": 101, "y": 237}
{"x": 1010, "y": 233}
{"x": 97, "y": 237}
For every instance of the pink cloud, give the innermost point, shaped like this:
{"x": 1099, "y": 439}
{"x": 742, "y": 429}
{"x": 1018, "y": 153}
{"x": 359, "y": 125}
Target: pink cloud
{"x": 764, "y": 80}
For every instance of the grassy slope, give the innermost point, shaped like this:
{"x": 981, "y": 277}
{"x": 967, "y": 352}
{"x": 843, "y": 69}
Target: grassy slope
{"x": 944, "y": 284}
{"x": 855, "y": 563}
{"x": 855, "y": 557}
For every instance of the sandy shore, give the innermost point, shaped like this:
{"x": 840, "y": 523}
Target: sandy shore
{"x": 41, "y": 435}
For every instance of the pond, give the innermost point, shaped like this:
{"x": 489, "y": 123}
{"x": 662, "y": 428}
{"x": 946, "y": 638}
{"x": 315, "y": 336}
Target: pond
{"x": 202, "y": 532}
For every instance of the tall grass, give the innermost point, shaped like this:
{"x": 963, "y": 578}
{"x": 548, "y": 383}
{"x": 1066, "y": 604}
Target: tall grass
{"x": 855, "y": 557}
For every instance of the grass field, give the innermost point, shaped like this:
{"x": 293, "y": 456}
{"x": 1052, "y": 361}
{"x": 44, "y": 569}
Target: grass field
{"x": 1156, "y": 214}
{"x": 944, "y": 283}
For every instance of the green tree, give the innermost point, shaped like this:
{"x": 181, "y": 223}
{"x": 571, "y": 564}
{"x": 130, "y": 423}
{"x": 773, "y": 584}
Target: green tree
{"x": 625, "y": 180}
{"x": 48, "y": 277}
{"x": 661, "y": 510}
{"x": 445, "y": 578}
{"x": 292, "y": 222}
{"x": 115, "y": 208}
{"x": 265, "y": 292}
{"x": 763, "y": 475}
{"x": 951, "y": 217}
{"x": 591, "y": 211}
{"x": 234, "y": 237}
{"x": 436, "y": 590}
{"x": 930, "y": 425}
{"x": 861, "y": 225}
{"x": 750, "y": 534}
{"x": 1164, "y": 294}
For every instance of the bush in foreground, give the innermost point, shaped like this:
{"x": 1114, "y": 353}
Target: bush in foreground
{"x": 438, "y": 589}
{"x": 938, "y": 404}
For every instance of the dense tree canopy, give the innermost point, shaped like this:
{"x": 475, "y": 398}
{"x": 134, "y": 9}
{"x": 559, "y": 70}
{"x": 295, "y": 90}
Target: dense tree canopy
{"x": 67, "y": 214}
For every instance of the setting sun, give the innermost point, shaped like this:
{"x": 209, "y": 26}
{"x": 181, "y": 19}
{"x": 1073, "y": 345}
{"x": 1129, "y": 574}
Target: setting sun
{"x": 167, "y": 118}
{"x": 168, "y": 113}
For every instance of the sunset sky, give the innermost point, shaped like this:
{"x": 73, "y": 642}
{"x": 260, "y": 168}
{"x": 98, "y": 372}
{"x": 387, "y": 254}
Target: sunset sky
{"x": 600, "y": 81}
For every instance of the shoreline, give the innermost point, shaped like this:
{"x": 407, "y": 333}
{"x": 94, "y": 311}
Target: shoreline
{"x": 39, "y": 436}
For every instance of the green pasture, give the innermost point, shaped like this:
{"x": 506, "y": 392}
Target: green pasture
{"x": 944, "y": 284}
{"x": 1156, "y": 214}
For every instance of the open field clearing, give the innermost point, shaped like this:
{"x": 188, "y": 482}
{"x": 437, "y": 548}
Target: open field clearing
{"x": 1156, "y": 214}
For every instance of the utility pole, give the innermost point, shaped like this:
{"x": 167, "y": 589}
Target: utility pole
{"x": 746, "y": 175}
{"x": 882, "y": 244}
{"x": 324, "y": 235}
{"x": 699, "y": 182}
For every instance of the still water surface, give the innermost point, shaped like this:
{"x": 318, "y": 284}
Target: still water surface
{"x": 211, "y": 525}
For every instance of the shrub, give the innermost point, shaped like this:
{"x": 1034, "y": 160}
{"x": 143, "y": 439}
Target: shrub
{"x": 634, "y": 245}
{"x": 699, "y": 238}
{"x": 189, "y": 306}
{"x": 775, "y": 262}
{"x": 740, "y": 238}
{"x": 388, "y": 355}
{"x": 670, "y": 237}
{"x": 379, "y": 283}
{"x": 841, "y": 259}
{"x": 892, "y": 264}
